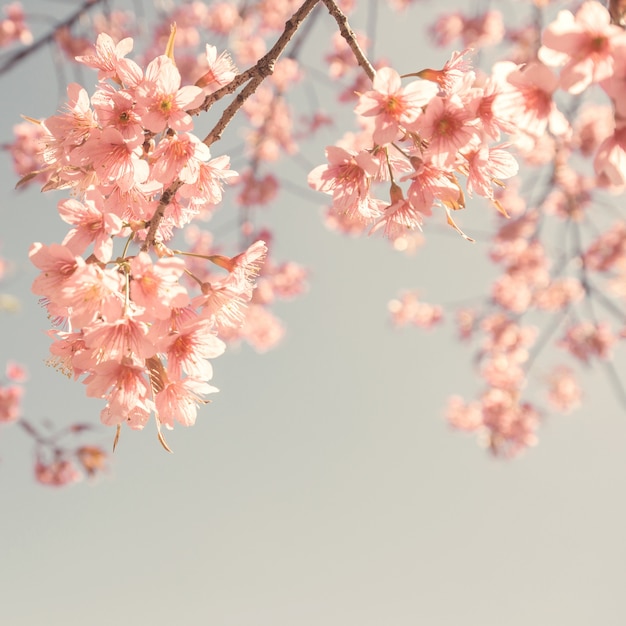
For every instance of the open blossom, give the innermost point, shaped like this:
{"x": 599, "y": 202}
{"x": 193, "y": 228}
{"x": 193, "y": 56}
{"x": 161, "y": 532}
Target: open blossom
{"x": 179, "y": 156}
{"x": 155, "y": 286}
{"x": 206, "y": 190}
{"x": 119, "y": 109}
{"x": 112, "y": 159}
{"x": 399, "y": 216}
{"x": 189, "y": 348}
{"x": 178, "y": 401}
{"x": 124, "y": 385}
{"x": 108, "y": 59}
{"x": 392, "y": 105}
{"x": 221, "y": 70}
{"x": 584, "y": 43}
{"x": 449, "y": 127}
{"x": 347, "y": 177}
{"x": 526, "y": 99}
{"x": 91, "y": 225}
{"x": 71, "y": 128}
{"x": 165, "y": 100}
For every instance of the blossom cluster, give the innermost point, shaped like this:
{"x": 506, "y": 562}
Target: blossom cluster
{"x": 434, "y": 134}
{"x": 590, "y": 49}
{"x": 130, "y": 324}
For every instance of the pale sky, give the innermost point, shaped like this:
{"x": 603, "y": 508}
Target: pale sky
{"x": 322, "y": 486}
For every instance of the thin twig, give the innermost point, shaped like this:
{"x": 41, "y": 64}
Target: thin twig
{"x": 255, "y": 75}
{"x": 348, "y": 34}
{"x": 17, "y": 56}
{"x": 263, "y": 68}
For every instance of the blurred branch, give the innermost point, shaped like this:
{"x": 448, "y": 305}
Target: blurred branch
{"x": 19, "y": 55}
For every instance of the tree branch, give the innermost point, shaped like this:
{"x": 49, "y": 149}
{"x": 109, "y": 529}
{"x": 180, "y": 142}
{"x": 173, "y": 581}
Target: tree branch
{"x": 16, "y": 57}
{"x": 348, "y": 34}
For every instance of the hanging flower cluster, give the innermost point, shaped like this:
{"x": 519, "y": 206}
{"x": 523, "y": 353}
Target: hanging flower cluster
{"x": 129, "y": 325}
{"x": 425, "y": 133}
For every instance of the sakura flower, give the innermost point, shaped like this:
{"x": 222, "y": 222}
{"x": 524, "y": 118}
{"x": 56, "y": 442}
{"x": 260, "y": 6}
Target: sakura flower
{"x": 109, "y": 60}
{"x": 392, "y": 105}
{"x": 448, "y": 127}
{"x": 92, "y": 293}
{"x": 261, "y": 329}
{"x": 112, "y": 158}
{"x": 155, "y": 286}
{"x": 13, "y": 28}
{"x": 178, "y": 156}
{"x": 10, "y": 403}
{"x": 27, "y": 148}
{"x": 488, "y": 165}
{"x": 165, "y": 100}
{"x": 610, "y": 160}
{"x": 207, "y": 189}
{"x": 453, "y": 73}
{"x": 71, "y": 128}
{"x": 124, "y": 385}
{"x": 57, "y": 264}
{"x": 511, "y": 426}
{"x": 564, "y": 393}
{"x": 526, "y": 99}
{"x": 347, "y": 177}
{"x": 113, "y": 341}
{"x": 120, "y": 110}
{"x": 221, "y": 70}
{"x": 399, "y": 216}
{"x": 189, "y": 348}
{"x": 586, "y": 340}
{"x": 256, "y": 189}
{"x": 559, "y": 294}
{"x": 584, "y": 43}
{"x": 92, "y": 225}
{"x": 57, "y": 473}
{"x": 463, "y": 416}
{"x": 178, "y": 401}
{"x": 408, "y": 309}
{"x": 15, "y": 372}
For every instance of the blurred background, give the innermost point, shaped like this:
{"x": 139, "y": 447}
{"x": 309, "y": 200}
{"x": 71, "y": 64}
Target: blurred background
{"x": 322, "y": 485}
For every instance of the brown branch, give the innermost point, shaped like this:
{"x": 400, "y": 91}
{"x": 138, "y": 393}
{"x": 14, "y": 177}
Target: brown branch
{"x": 348, "y": 34}
{"x": 255, "y": 75}
{"x": 19, "y": 55}
{"x": 263, "y": 68}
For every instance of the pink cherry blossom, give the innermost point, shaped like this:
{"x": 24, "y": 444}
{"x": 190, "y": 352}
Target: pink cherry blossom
{"x": 564, "y": 393}
{"x": 165, "y": 100}
{"x": 586, "y": 340}
{"x": 92, "y": 225}
{"x": 155, "y": 286}
{"x": 408, "y": 309}
{"x": 10, "y": 403}
{"x": 57, "y": 473}
{"x": 221, "y": 70}
{"x": 178, "y": 401}
{"x": 449, "y": 127}
{"x": 109, "y": 60}
{"x": 392, "y": 105}
{"x": 13, "y": 28}
{"x": 584, "y": 43}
